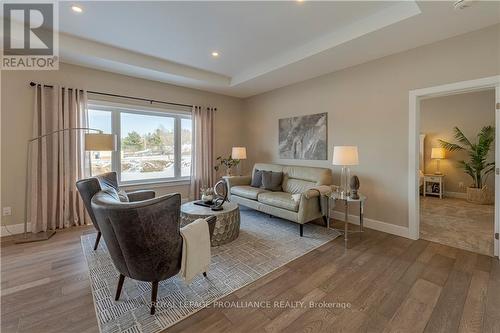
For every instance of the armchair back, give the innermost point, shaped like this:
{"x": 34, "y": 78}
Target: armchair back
{"x": 143, "y": 238}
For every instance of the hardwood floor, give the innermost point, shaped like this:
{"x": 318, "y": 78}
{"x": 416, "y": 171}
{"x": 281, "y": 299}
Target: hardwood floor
{"x": 392, "y": 284}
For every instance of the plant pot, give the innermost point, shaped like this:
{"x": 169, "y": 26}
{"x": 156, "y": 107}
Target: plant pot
{"x": 229, "y": 172}
{"x": 480, "y": 196}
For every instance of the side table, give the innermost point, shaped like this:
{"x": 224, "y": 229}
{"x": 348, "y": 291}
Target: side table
{"x": 434, "y": 185}
{"x": 346, "y": 201}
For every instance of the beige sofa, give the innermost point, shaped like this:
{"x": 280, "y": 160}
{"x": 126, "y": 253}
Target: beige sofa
{"x": 298, "y": 202}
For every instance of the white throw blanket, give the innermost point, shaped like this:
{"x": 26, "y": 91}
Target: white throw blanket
{"x": 195, "y": 249}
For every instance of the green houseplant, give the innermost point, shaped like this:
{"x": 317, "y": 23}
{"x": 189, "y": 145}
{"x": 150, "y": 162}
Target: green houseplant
{"x": 477, "y": 167}
{"x": 227, "y": 163}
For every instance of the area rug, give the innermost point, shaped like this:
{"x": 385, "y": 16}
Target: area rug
{"x": 264, "y": 244}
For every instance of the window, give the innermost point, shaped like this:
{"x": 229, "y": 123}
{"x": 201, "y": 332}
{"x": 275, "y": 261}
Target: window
{"x": 153, "y": 145}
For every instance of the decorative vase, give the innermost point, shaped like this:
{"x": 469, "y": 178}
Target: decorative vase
{"x": 481, "y": 196}
{"x": 354, "y": 185}
{"x": 207, "y": 197}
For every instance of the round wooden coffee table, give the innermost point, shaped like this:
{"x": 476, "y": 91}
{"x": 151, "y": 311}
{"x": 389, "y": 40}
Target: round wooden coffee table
{"x": 227, "y": 227}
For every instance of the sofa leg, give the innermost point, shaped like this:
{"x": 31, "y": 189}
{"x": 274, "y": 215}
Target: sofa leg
{"x": 205, "y": 274}
{"x": 154, "y": 293}
{"x": 120, "y": 285}
{"x": 301, "y": 230}
{"x": 97, "y": 239}
{"x": 270, "y": 216}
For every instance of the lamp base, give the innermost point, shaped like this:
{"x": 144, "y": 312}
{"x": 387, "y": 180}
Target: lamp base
{"x": 31, "y": 237}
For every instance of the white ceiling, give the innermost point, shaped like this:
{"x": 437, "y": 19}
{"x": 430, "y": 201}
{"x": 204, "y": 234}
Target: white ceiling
{"x": 262, "y": 45}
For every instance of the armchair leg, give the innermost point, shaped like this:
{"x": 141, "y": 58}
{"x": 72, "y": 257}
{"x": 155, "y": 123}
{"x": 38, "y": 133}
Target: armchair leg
{"x": 154, "y": 293}
{"x": 205, "y": 274}
{"x": 119, "y": 288}
{"x": 301, "y": 230}
{"x": 97, "y": 239}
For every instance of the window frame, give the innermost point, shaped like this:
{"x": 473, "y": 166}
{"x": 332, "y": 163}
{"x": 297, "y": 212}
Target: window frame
{"x": 116, "y": 110}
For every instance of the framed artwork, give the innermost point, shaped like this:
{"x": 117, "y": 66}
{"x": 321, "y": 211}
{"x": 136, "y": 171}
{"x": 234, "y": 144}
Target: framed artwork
{"x": 304, "y": 137}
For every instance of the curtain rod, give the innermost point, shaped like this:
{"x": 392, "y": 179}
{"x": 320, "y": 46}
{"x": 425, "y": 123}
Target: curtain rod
{"x": 122, "y": 96}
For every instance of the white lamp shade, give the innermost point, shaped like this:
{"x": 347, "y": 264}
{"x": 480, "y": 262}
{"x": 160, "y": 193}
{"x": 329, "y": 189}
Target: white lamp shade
{"x": 100, "y": 142}
{"x": 239, "y": 153}
{"x": 438, "y": 153}
{"x": 345, "y": 155}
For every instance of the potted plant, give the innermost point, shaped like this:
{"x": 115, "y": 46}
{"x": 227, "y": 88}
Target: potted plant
{"x": 227, "y": 163}
{"x": 478, "y": 166}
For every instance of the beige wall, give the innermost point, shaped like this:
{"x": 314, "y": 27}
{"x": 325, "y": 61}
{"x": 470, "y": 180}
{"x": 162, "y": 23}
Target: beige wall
{"x": 470, "y": 112}
{"x": 16, "y": 118}
{"x": 367, "y": 106}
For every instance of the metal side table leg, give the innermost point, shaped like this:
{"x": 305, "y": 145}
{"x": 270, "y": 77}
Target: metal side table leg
{"x": 361, "y": 213}
{"x": 346, "y": 207}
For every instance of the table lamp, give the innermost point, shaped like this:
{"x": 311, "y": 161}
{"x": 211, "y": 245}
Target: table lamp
{"x": 345, "y": 156}
{"x": 239, "y": 153}
{"x": 438, "y": 154}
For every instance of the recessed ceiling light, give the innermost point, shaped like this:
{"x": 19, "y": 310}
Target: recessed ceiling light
{"x": 215, "y": 54}
{"x": 77, "y": 9}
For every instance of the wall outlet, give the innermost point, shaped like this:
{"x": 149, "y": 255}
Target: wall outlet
{"x": 461, "y": 185}
{"x": 7, "y": 211}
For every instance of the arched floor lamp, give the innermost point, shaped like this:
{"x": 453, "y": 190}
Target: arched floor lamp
{"x": 93, "y": 142}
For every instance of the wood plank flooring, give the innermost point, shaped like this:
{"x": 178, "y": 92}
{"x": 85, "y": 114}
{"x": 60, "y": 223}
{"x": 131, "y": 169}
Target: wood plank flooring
{"x": 392, "y": 284}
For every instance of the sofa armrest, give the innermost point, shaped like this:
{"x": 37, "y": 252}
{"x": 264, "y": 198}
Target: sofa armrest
{"x": 237, "y": 181}
{"x": 309, "y": 207}
{"x": 317, "y": 191}
{"x": 140, "y": 195}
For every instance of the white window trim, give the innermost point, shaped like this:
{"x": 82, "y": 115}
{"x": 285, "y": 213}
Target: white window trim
{"x": 116, "y": 110}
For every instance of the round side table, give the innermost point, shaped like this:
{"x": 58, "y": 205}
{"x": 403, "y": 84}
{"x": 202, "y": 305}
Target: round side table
{"x": 227, "y": 227}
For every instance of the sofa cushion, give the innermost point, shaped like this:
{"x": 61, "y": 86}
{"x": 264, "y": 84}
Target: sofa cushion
{"x": 279, "y": 199}
{"x": 294, "y": 186}
{"x": 257, "y": 178}
{"x": 272, "y": 180}
{"x": 246, "y": 191}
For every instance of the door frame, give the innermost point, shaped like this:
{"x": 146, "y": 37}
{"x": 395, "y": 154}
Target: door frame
{"x": 415, "y": 96}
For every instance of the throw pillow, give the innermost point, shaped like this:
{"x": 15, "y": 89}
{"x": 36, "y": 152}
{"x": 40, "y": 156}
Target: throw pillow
{"x": 271, "y": 181}
{"x": 257, "y": 178}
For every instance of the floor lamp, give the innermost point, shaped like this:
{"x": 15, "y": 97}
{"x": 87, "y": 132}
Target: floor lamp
{"x": 93, "y": 141}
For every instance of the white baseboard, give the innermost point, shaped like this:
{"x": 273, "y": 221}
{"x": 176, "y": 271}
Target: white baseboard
{"x": 375, "y": 224}
{"x": 458, "y": 195}
{"x": 13, "y": 229}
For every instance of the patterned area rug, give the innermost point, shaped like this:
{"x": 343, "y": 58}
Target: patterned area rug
{"x": 264, "y": 244}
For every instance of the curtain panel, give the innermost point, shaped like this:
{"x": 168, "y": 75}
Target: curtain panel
{"x": 56, "y": 161}
{"x": 202, "y": 165}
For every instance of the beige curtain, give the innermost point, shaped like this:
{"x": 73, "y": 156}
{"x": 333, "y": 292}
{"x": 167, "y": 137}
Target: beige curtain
{"x": 202, "y": 166}
{"x": 56, "y": 161}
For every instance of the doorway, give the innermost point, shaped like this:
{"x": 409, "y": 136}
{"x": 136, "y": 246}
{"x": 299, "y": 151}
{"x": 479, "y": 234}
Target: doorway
{"x": 456, "y": 194}
{"x": 417, "y": 99}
